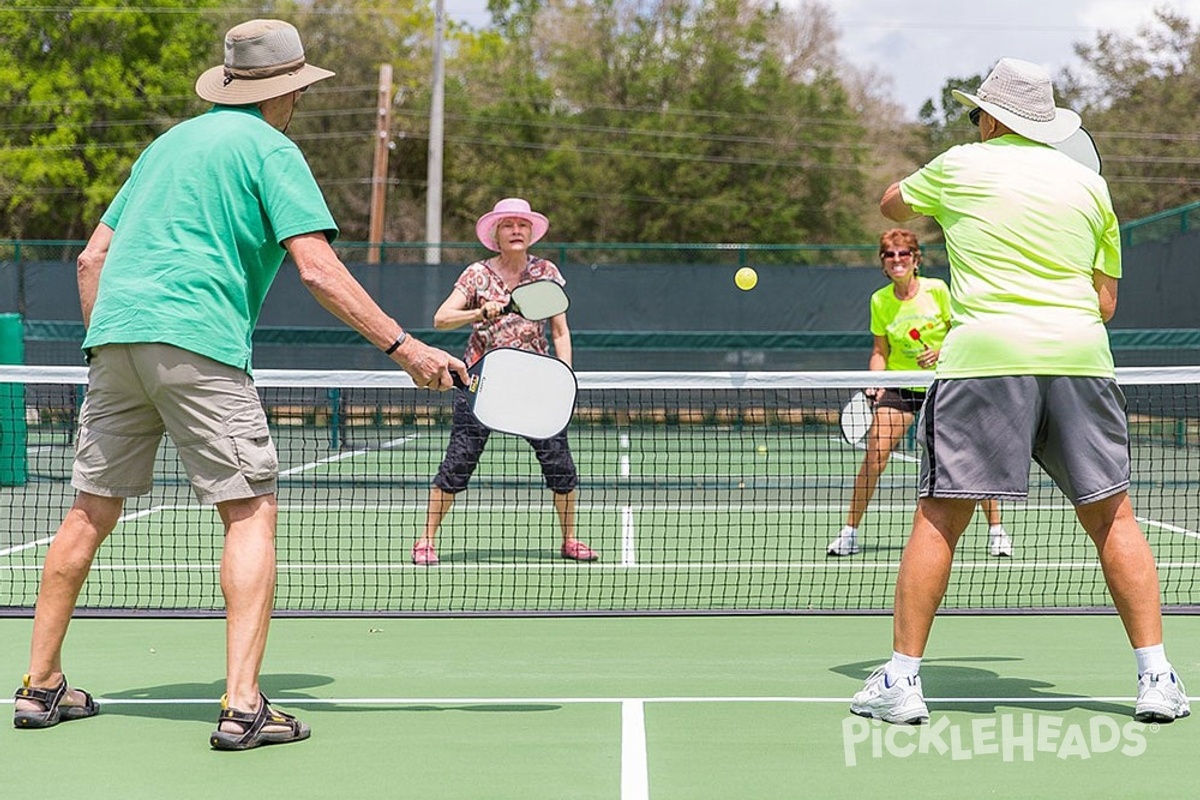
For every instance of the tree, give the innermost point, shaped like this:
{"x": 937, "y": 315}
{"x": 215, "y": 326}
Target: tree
{"x": 1137, "y": 94}
{"x": 336, "y": 123}
{"x": 709, "y": 121}
{"x": 84, "y": 89}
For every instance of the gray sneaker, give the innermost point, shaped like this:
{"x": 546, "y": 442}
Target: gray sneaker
{"x": 1160, "y": 698}
{"x": 900, "y": 702}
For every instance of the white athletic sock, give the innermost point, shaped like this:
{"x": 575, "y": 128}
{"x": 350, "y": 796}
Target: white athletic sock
{"x": 902, "y": 666}
{"x": 1152, "y": 659}
{"x": 850, "y": 529}
{"x": 995, "y": 530}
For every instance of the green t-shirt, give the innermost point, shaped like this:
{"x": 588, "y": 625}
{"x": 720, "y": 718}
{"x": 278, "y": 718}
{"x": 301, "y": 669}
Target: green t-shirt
{"x": 927, "y": 313}
{"x": 197, "y": 232}
{"x": 1025, "y": 227}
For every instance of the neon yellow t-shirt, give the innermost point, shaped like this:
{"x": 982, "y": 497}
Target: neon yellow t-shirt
{"x": 926, "y": 313}
{"x": 1025, "y": 227}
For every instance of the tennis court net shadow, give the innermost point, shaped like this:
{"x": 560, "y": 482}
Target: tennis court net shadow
{"x": 994, "y": 690}
{"x": 526, "y": 555}
{"x": 156, "y": 701}
{"x": 178, "y": 701}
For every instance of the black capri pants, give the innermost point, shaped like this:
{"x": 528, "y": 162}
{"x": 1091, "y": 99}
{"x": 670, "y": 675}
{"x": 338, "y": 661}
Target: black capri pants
{"x": 468, "y": 438}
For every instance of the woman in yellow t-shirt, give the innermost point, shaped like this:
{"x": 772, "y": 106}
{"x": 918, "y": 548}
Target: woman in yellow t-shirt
{"x": 909, "y": 320}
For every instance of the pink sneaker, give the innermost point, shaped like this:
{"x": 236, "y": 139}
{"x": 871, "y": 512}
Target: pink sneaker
{"x": 578, "y": 551}
{"x": 423, "y": 555}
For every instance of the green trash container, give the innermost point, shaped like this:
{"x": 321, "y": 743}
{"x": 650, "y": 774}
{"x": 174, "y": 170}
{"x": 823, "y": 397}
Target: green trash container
{"x": 13, "y": 431}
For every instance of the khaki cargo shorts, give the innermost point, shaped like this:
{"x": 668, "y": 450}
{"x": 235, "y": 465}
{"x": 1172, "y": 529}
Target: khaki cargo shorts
{"x": 211, "y": 412}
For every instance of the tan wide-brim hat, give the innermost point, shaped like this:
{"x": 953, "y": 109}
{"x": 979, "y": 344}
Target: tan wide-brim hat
{"x": 485, "y": 226}
{"x": 263, "y": 59}
{"x": 1019, "y": 95}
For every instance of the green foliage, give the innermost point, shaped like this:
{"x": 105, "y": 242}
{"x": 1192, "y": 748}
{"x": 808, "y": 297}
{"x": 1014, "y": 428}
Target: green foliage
{"x": 336, "y": 122}
{"x": 679, "y": 120}
{"x": 672, "y": 122}
{"x": 84, "y": 88}
{"x": 1138, "y": 96}
{"x": 1136, "y": 93}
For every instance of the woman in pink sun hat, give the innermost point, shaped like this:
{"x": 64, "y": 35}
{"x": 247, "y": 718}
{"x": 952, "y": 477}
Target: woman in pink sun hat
{"x": 478, "y": 299}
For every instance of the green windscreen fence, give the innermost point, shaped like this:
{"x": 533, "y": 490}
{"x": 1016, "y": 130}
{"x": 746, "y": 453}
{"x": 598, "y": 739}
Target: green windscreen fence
{"x": 13, "y": 433}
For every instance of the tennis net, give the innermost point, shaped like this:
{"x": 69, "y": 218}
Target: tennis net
{"x": 703, "y": 493}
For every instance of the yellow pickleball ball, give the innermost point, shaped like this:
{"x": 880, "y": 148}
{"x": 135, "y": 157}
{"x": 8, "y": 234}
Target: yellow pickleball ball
{"x": 746, "y": 278}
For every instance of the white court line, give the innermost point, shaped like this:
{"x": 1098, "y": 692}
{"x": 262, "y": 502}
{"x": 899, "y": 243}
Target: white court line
{"x": 818, "y": 566}
{"x": 628, "y": 543}
{"x": 8, "y": 551}
{"x": 895, "y": 455}
{"x": 1168, "y": 527}
{"x": 348, "y": 454}
{"x": 635, "y": 776}
{"x": 565, "y": 701}
{"x": 628, "y": 528}
{"x": 812, "y": 508}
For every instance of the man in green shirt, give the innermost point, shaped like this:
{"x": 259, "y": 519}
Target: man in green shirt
{"x": 1025, "y": 372}
{"x": 171, "y": 284}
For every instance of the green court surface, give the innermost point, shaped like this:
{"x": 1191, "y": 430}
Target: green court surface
{"x": 662, "y": 708}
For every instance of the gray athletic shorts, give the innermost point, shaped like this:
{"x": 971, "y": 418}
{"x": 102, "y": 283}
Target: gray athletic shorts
{"x": 211, "y": 411}
{"x": 977, "y": 437}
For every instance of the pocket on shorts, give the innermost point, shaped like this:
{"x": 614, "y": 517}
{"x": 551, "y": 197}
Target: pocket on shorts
{"x": 256, "y": 454}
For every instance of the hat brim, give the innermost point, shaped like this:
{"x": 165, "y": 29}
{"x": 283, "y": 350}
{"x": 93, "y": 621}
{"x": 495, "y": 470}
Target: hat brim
{"x": 211, "y": 85}
{"x": 1062, "y": 127}
{"x": 485, "y": 228}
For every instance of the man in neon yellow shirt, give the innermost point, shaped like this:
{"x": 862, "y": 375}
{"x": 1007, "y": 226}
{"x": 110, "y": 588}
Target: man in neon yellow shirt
{"x": 1025, "y": 372}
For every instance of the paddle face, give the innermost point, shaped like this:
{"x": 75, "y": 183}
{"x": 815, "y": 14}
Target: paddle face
{"x": 856, "y": 417}
{"x": 1081, "y": 147}
{"x": 538, "y": 300}
{"x": 522, "y": 393}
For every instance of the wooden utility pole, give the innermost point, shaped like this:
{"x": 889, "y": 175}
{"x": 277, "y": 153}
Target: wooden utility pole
{"x": 379, "y": 174}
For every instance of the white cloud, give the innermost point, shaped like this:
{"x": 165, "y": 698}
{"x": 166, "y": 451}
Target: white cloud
{"x": 922, "y": 43}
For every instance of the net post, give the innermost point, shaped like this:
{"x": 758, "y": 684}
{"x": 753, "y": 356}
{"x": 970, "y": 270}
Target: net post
{"x": 335, "y": 418}
{"x": 13, "y": 430}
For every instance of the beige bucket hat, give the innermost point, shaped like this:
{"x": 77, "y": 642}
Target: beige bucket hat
{"x": 263, "y": 59}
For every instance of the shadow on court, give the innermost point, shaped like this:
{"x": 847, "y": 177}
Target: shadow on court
{"x": 282, "y": 689}
{"x": 500, "y": 556}
{"x": 941, "y": 679}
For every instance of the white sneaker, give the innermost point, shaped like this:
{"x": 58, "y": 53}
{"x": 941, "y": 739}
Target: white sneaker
{"x": 1161, "y": 698}
{"x": 999, "y": 544}
{"x": 844, "y": 544}
{"x": 901, "y": 702}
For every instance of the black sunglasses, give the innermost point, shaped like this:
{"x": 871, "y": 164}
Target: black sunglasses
{"x": 974, "y": 115}
{"x": 895, "y": 253}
